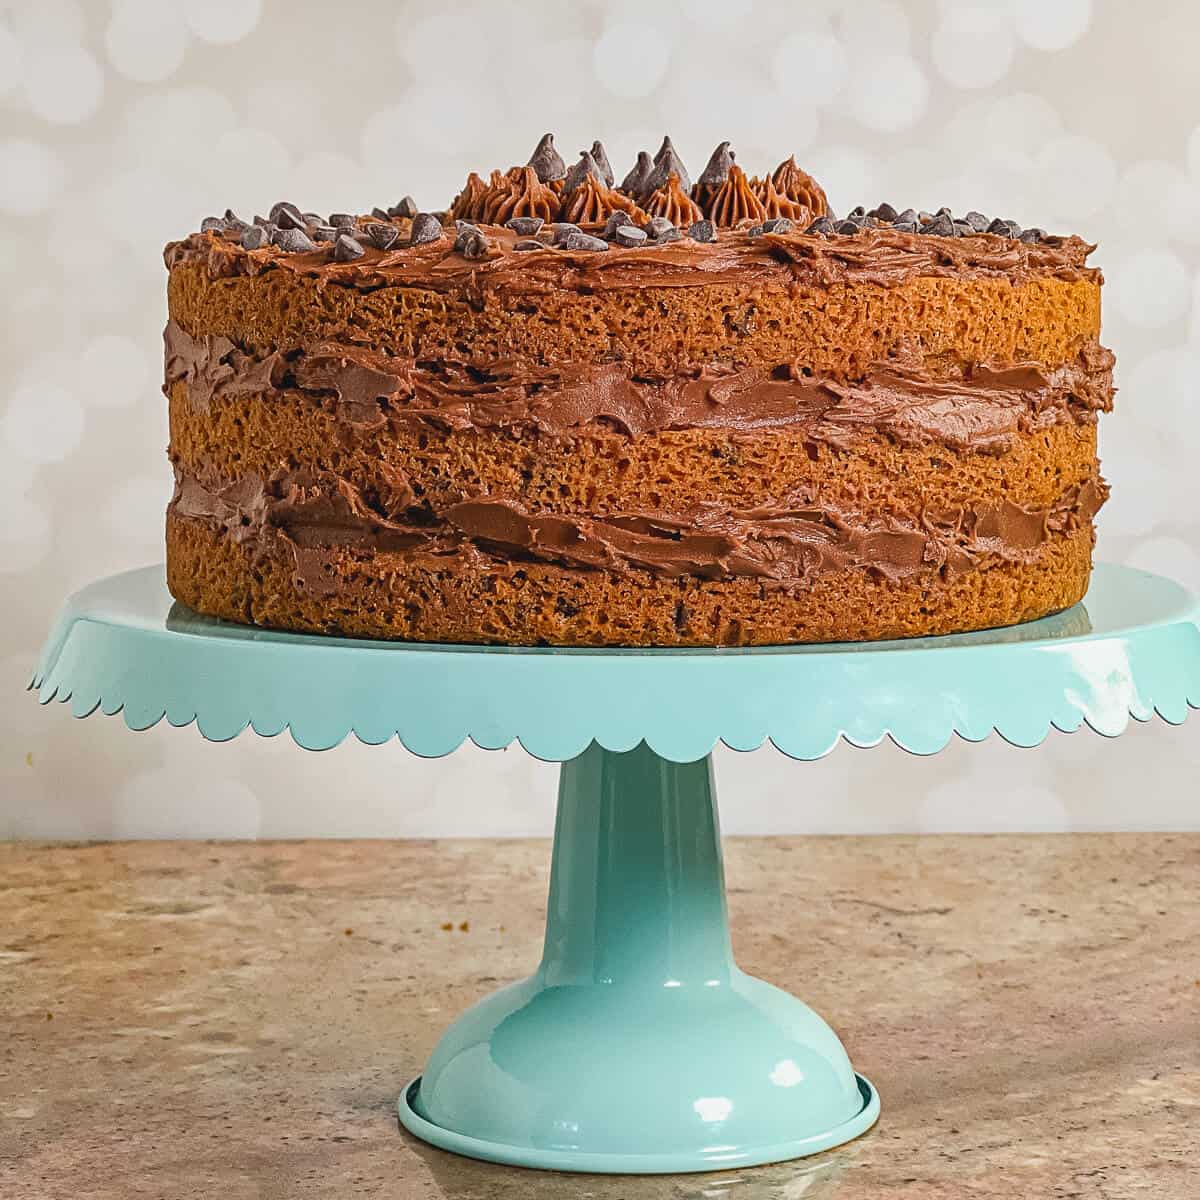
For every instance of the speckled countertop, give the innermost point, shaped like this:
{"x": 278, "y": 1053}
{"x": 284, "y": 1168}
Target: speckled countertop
{"x": 235, "y": 1020}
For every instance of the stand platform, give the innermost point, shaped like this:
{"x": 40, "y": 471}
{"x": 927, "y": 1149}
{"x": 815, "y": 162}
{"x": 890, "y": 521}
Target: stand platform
{"x": 637, "y": 1045}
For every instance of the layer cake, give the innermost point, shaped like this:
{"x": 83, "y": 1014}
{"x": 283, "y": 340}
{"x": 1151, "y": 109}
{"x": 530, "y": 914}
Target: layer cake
{"x": 570, "y": 412}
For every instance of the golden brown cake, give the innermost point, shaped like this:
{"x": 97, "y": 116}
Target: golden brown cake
{"x": 572, "y": 412}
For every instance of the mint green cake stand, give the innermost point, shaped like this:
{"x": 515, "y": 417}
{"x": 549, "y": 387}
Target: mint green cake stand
{"x": 637, "y": 1045}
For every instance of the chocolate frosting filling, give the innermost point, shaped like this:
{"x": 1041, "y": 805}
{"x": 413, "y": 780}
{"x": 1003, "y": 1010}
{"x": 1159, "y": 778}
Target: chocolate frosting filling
{"x": 884, "y": 256}
{"x": 980, "y": 408}
{"x": 781, "y": 545}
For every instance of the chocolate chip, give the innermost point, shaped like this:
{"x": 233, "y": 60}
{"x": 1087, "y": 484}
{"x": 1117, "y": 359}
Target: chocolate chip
{"x": 524, "y": 225}
{"x": 616, "y": 220}
{"x": 944, "y": 212}
{"x": 962, "y": 229}
{"x": 822, "y": 225}
{"x": 324, "y": 233}
{"x": 286, "y": 216}
{"x": 381, "y": 234}
{"x": 471, "y": 243}
{"x": 634, "y": 184}
{"x": 669, "y": 235}
{"x": 860, "y": 211}
{"x": 528, "y": 244}
{"x": 1032, "y": 235}
{"x": 629, "y": 235}
{"x": 702, "y": 231}
{"x": 846, "y": 226}
{"x": 657, "y": 226}
{"x": 342, "y": 220}
{"x": 294, "y": 241}
{"x": 754, "y": 231}
{"x": 583, "y": 241}
{"x": 255, "y": 238}
{"x": 977, "y": 221}
{"x": 586, "y": 166}
{"x": 425, "y": 228}
{"x": 546, "y": 162}
{"x": 212, "y": 225}
{"x": 885, "y": 212}
{"x": 600, "y": 158}
{"x": 908, "y": 215}
{"x": 380, "y": 214}
{"x": 264, "y": 221}
{"x": 716, "y": 170}
{"x": 234, "y": 222}
{"x": 905, "y": 226}
{"x": 924, "y": 217}
{"x": 666, "y": 163}
{"x": 346, "y": 249}
{"x": 313, "y": 218}
{"x": 561, "y": 230}
{"x": 940, "y": 226}
{"x": 406, "y": 208}
{"x": 778, "y": 225}
{"x": 1005, "y": 228}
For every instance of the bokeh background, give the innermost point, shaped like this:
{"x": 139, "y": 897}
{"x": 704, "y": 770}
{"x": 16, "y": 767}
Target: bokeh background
{"x": 123, "y": 124}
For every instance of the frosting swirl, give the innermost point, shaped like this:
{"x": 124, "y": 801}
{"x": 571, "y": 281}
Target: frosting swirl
{"x": 776, "y": 204}
{"x": 592, "y": 203}
{"x": 735, "y": 201}
{"x": 799, "y": 187}
{"x": 673, "y": 203}
{"x": 468, "y": 204}
{"x": 518, "y": 194}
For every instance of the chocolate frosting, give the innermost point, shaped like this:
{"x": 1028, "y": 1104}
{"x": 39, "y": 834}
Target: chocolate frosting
{"x": 981, "y": 408}
{"x": 734, "y": 200}
{"x": 776, "y": 204}
{"x": 798, "y": 185}
{"x": 782, "y": 545}
{"x": 518, "y": 194}
{"x": 672, "y": 202}
{"x": 884, "y": 256}
{"x": 592, "y": 203}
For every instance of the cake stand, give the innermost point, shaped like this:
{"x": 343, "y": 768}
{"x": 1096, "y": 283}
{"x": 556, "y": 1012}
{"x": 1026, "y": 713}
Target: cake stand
{"x": 637, "y": 1045}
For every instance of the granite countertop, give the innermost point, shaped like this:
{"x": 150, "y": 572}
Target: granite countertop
{"x": 235, "y": 1020}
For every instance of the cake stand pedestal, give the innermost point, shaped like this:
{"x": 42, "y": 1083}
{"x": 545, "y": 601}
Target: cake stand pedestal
{"x": 637, "y": 1045}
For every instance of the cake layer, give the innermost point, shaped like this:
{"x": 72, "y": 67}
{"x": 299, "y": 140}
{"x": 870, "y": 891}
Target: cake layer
{"x": 969, "y": 406}
{"x": 469, "y": 596}
{"x": 594, "y": 438}
{"x": 784, "y": 542}
{"x": 835, "y": 306}
{"x": 406, "y": 466}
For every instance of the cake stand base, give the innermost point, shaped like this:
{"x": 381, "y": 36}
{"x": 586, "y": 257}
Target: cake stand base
{"x": 638, "y": 1046}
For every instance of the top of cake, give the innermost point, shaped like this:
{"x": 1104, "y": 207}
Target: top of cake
{"x": 544, "y": 225}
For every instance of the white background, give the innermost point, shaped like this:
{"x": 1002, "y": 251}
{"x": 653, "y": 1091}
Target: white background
{"x": 123, "y": 124}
